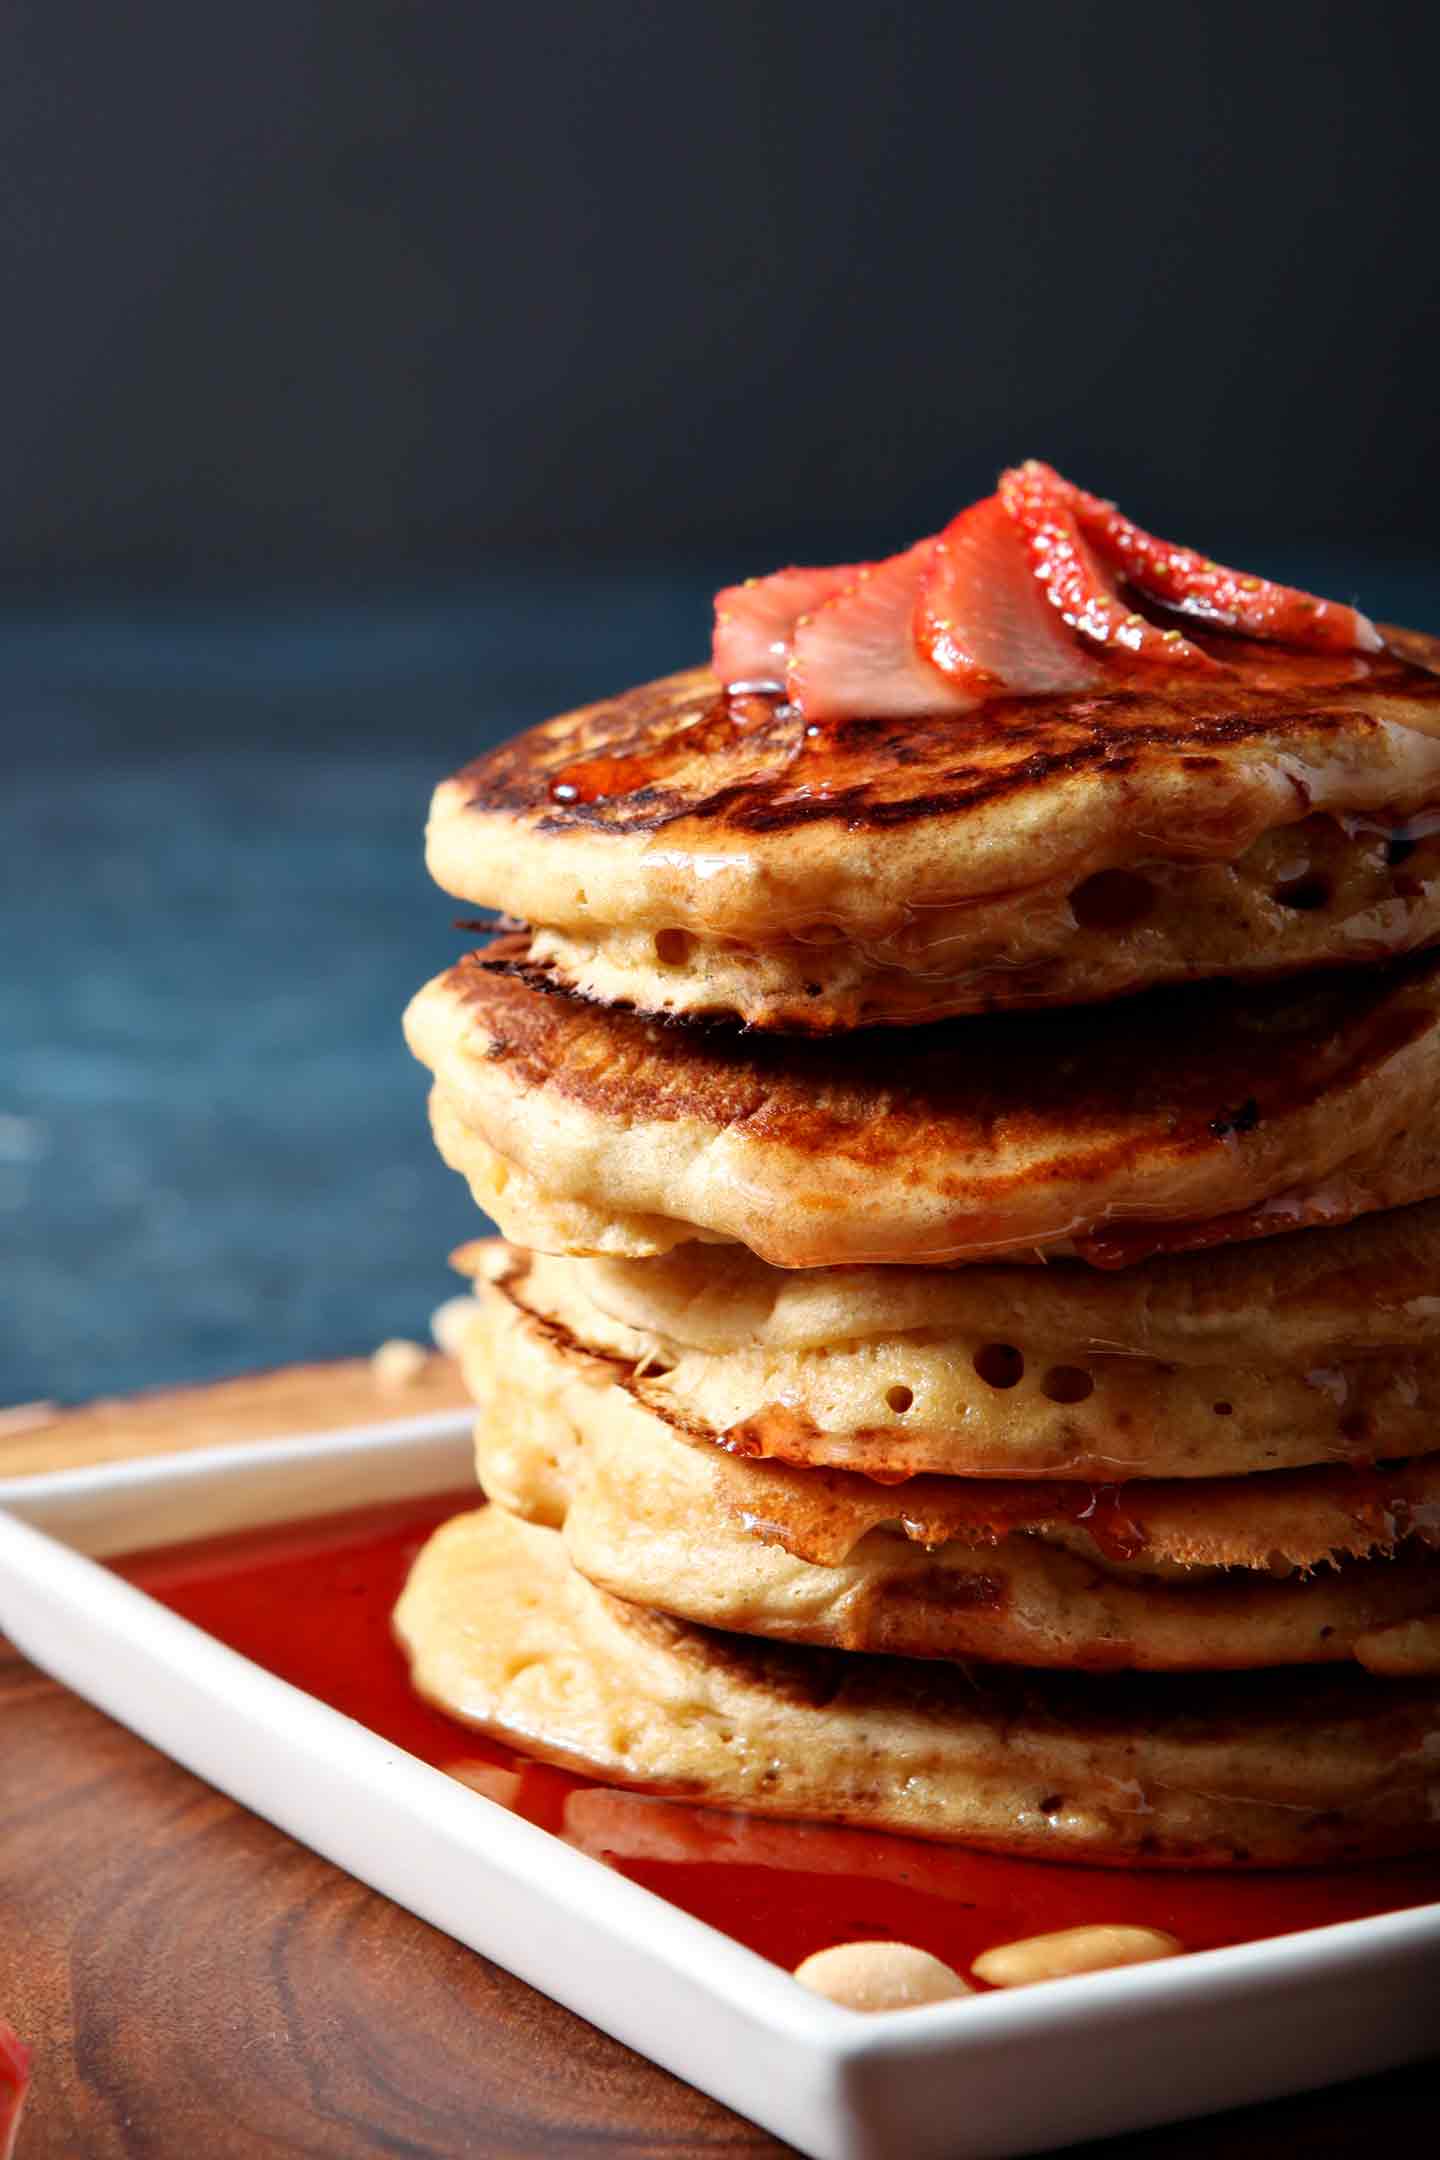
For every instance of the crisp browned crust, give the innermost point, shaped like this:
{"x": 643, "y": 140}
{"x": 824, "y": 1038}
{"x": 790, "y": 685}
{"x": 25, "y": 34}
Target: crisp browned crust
{"x": 678, "y": 852}
{"x": 1182, "y": 1119}
{"x": 683, "y": 756}
{"x": 1201, "y": 1067}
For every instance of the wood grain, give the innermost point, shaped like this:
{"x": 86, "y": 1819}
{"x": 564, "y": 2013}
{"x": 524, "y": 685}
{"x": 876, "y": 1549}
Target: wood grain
{"x": 193, "y": 1981}
{"x": 254, "y": 1406}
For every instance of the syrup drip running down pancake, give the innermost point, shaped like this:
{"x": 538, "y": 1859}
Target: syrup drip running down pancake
{"x": 1175, "y": 1122}
{"x": 1242, "y": 1769}
{"x": 992, "y": 771}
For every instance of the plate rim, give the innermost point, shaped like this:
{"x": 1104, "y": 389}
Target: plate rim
{"x": 56, "y": 1602}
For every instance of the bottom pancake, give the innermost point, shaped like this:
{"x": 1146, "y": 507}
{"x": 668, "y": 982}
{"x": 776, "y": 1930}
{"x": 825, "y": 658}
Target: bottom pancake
{"x": 1287, "y": 1770}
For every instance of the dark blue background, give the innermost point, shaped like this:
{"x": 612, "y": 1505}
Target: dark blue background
{"x": 213, "y": 1146}
{"x": 390, "y": 282}
{"x": 213, "y": 1149}
{"x": 310, "y": 302}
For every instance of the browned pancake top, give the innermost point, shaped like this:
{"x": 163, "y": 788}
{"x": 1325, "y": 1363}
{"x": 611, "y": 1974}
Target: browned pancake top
{"x": 1178, "y": 1120}
{"x": 1199, "y": 1068}
{"x": 678, "y": 750}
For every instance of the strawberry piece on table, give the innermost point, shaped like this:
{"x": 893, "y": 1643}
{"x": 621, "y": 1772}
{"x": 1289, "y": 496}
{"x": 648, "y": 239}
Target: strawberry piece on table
{"x": 1042, "y": 509}
{"x": 14, "y": 2077}
{"x": 1193, "y": 585}
{"x": 855, "y": 656}
{"x": 983, "y": 619}
{"x": 754, "y": 621}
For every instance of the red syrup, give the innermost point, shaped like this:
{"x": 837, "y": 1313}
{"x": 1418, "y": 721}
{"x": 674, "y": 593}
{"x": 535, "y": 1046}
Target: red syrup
{"x": 311, "y": 1602}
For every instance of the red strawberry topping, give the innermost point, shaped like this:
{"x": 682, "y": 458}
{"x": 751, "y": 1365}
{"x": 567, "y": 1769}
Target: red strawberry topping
{"x": 856, "y": 654}
{"x": 1009, "y": 601}
{"x": 983, "y": 619}
{"x": 754, "y": 621}
{"x": 1041, "y": 507}
{"x": 1195, "y": 586}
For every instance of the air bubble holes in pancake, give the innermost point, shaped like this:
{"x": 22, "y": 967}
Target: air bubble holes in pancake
{"x": 1000, "y": 1365}
{"x": 1307, "y": 894}
{"x": 1112, "y": 900}
{"x": 1068, "y": 1384}
{"x": 672, "y": 947}
{"x": 899, "y": 1399}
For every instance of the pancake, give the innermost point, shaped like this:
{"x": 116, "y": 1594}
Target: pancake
{"x": 1256, "y": 1770}
{"x": 1261, "y": 1357}
{"x": 678, "y": 852}
{"x": 1028, "y": 1398}
{"x": 1292, "y": 1300}
{"x": 524, "y": 1362}
{"x": 1194, "y": 1575}
{"x": 1180, "y": 1120}
{"x": 553, "y": 1224}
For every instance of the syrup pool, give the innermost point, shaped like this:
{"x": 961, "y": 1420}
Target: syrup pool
{"x": 311, "y": 1602}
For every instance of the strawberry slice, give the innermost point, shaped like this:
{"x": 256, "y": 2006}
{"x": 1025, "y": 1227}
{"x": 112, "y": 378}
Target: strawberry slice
{"x": 754, "y": 621}
{"x": 983, "y": 620}
{"x": 855, "y": 656}
{"x": 14, "y": 2077}
{"x": 1194, "y": 585}
{"x": 1040, "y": 505}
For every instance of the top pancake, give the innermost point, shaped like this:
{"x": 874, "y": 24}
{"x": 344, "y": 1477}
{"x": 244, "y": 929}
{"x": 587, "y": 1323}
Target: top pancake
{"x": 676, "y": 851}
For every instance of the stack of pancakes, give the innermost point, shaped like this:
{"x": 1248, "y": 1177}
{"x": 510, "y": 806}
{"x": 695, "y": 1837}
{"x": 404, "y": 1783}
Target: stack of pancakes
{"x": 967, "y": 1355}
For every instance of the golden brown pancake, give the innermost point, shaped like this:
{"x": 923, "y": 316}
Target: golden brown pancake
{"x": 1289, "y": 1568}
{"x": 1263, "y": 1770}
{"x": 680, "y": 853}
{"x": 1300, "y": 1350}
{"x": 1184, "y": 1119}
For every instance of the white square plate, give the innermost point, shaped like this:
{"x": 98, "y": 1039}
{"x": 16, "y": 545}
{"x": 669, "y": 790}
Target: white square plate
{"x": 1000, "y": 2073}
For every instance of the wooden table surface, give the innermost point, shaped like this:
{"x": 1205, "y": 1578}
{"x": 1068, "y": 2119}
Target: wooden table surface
{"x": 192, "y": 1981}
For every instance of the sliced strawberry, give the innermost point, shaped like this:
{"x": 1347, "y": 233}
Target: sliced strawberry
{"x": 856, "y": 657}
{"x": 983, "y": 620}
{"x": 14, "y": 2077}
{"x": 753, "y": 621}
{"x": 1041, "y": 507}
{"x": 1194, "y": 585}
